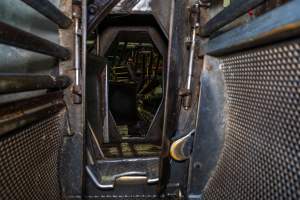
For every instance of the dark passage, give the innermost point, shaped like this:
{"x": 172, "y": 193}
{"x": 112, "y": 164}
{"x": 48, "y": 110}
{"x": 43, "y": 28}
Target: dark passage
{"x": 135, "y": 83}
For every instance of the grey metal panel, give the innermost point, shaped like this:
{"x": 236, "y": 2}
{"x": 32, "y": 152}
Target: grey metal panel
{"x": 72, "y": 158}
{"x": 71, "y": 166}
{"x": 161, "y": 12}
{"x": 16, "y": 13}
{"x": 209, "y": 136}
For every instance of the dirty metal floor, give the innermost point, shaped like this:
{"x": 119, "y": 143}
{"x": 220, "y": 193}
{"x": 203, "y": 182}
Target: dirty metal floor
{"x": 127, "y": 150}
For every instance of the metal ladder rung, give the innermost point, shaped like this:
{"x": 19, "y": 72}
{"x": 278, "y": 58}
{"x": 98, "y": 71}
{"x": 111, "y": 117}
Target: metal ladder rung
{"x": 50, "y": 11}
{"x": 16, "y": 37}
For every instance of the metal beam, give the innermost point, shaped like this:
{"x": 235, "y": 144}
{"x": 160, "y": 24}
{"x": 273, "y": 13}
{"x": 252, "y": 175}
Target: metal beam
{"x": 278, "y": 24}
{"x": 14, "y": 83}
{"x": 101, "y": 14}
{"x": 50, "y": 11}
{"x": 13, "y": 36}
{"x": 18, "y": 114}
{"x": 236, "y": 9}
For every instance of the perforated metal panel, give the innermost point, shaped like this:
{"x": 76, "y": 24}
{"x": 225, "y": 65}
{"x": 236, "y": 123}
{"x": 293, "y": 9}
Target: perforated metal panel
{"x": 261, "y": 156}
{"x": 29, "y": 161}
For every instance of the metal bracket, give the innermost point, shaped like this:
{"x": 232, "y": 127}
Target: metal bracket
{"x": 181, "y": 149}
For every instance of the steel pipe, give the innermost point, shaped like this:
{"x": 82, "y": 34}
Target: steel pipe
{"x": 77, "y": 51}
{"x": 191, "y": 60}
{"x": 13, "y": 36}
{"x": 47, "y": 9}
{"x": 187, "y": 93}
{"x": 77, "y": 90}
{"x": 14, "y": 83}
{"x": 236, "y": 9}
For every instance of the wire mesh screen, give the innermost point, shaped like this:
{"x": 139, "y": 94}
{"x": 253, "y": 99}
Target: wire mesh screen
{"x": 261, "y": 156}
{"x": 29, "y": 161}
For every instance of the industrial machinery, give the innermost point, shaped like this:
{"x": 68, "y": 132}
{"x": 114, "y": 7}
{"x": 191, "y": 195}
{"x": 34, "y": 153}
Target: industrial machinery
{"x": 150, "y": 99}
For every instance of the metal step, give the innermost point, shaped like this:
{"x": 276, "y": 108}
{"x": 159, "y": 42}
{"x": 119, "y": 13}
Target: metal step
{"x": 141, "y": 197}
{"x": 105, "y": 173}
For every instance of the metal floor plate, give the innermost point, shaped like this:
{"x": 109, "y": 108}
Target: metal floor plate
{"x": 104, "y": 173}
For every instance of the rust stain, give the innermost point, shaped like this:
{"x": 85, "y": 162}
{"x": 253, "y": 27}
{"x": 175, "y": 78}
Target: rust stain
{"x": 285, "y": 28}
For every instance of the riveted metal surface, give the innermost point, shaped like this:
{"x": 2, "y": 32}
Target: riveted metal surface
{"x": 261, "y": 156}
{"x": 29, "y": 161}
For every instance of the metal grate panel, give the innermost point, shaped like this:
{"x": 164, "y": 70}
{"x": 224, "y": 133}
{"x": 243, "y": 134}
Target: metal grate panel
{"x": 261, "y": 156}
{"x": 29, "y": 161}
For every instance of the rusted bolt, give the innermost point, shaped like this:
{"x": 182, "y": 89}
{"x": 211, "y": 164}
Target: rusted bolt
{"x": 197, "y": 165}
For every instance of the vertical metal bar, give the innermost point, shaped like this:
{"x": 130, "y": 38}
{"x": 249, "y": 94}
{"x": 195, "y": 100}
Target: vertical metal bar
{"x": 157, "y": 65}
{"x": 98, "y": 43}
{"x": 84, "y": 56}
{"x": 12, "y": 36}
{"x": 191, "y": 60}
{"x": 165, "y": 130}
{"x": 77, "y": 51}
{"x": 150, "y": 66}
{"x": 106, "y": 118}
{"x": 83, "y": 68}
{"x": 95, "y": 140}
{"x": 170, "y": 46}
{"x": 187, "y": 96}
{"x": 77, "y": 90}
{"x": 50, "y": 11}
